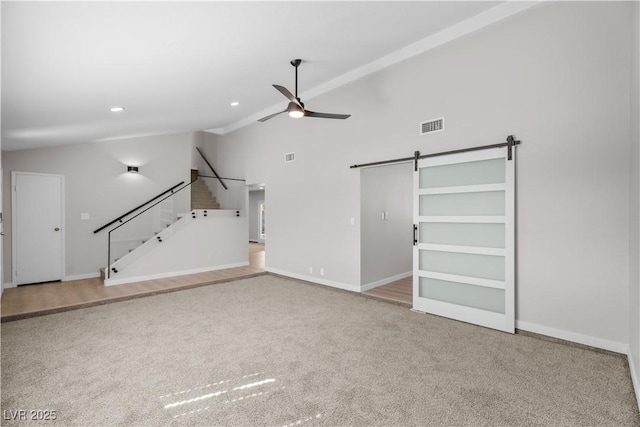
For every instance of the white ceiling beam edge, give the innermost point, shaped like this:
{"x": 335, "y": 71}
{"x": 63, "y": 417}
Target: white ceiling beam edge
{"x": 483, "y": 19}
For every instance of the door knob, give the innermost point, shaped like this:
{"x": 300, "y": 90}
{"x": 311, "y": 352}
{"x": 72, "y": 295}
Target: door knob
{"x": 57, "y": 229}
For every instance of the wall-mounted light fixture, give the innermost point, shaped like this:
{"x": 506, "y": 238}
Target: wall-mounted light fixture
{"x": 132, "y": 169}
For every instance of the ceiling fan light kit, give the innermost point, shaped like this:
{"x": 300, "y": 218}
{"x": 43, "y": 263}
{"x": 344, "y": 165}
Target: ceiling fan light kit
{"x": 295, "y": 111}
{"x": 296, "y": 108}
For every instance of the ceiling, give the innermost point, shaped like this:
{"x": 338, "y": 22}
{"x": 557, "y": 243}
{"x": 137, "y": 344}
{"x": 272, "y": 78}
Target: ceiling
{"x": 177, "y": 66}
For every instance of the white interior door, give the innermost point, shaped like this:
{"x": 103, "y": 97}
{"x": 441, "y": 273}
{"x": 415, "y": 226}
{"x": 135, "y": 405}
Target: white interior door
{"x": 37, "y": 218}
{"x": 463, "y": 258}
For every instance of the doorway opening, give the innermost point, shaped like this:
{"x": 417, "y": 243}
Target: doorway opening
{"x": 257, "y": 225}
{"x": 385, "y": 232}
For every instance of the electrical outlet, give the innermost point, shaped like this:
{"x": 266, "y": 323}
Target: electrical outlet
{"x": 322, "y": 271}
{"x": 310, "y": 270}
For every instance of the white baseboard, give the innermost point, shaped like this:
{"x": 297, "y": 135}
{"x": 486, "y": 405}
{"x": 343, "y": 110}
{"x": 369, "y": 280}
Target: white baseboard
{"x": 64, "y": 279}
{"x": 385, "y": 281}
{"x": 81, "y": 277}
{"x": 345, "y": 286}
{"x": 113, "y": 282}
{"x": 634, "y": 377}
{"x": 614, "y": 346}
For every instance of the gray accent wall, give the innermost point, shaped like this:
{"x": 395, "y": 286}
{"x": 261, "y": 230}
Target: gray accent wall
{"x": 557, "y": 77}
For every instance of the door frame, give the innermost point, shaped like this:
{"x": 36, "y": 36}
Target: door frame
{"x": 14, "y": 175}
{"x": 262, "y": 207}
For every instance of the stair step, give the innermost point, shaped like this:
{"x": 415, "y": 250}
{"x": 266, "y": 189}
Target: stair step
{"x": 202, "y": 199}
{"x": 201, "y": 196}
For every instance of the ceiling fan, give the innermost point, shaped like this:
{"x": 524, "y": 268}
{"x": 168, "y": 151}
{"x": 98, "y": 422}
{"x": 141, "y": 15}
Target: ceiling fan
{"x": 296, "y": 107}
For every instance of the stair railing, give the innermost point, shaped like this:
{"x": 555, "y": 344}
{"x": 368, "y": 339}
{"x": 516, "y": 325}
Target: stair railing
{"x": 212, "y": 169}
{"x": 123, "y": 223}
{"x": 151, "y": 221}
{"x": 139, "y": 207}
{"x": 222, "y": 177}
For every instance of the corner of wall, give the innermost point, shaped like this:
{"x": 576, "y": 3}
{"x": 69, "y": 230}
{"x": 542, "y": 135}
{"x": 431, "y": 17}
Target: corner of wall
{"x": 634, "y": 205}
{"x": 634, "y": 376}
{"x": 311, "y": 279}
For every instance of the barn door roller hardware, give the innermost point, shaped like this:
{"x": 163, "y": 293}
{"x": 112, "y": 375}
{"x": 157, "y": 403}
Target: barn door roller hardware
{"x": 511, "y": 142}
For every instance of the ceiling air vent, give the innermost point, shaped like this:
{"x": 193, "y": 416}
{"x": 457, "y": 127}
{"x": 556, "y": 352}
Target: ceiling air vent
{"x": 431, "y": 126}
{"x": 289, "y": 157}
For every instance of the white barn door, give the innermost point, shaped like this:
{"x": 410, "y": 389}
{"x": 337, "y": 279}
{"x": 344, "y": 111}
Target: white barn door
{"x": 37, "y": 227}
{"x": 463, "y": 256}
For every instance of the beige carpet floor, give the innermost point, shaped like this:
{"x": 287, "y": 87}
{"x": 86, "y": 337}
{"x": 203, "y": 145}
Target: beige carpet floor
{"x": 272, "y": 351}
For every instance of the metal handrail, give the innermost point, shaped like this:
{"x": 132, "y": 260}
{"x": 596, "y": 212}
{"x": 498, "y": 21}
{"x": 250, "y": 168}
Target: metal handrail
{"x": 211, "y": 167}
{"x": 138, "y": 207}
{"x": 222, "y": 177}
{"x": 108, "y": 270}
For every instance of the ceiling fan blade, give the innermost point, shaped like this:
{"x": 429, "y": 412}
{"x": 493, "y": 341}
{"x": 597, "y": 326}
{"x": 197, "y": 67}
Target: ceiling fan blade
{"x": 264, "y": 119}
{"x": 308, "y": 113}
{"x": 283, "y": 90}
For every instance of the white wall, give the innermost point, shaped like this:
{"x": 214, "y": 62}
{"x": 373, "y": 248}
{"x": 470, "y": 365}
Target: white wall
{"x": 255, "y": 197}
{"x": 196, "y": 158}
{"x": 634, "y": 205}
{"x": 386, "y": 245}
{"x": 556, "y": 76}
{"x": 97, "y": 183}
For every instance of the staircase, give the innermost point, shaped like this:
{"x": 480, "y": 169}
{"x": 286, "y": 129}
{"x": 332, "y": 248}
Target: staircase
{"x": 201, "y": 197}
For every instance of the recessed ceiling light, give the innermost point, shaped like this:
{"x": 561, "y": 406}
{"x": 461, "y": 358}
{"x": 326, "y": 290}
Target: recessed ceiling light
{"x": 235, "y": 103}
{"x": 116, "y": 109}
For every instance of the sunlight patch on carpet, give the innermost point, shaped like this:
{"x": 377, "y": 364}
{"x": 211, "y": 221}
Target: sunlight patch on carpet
{"x": 233, "y": 390}
{"x": 306, "y": 421}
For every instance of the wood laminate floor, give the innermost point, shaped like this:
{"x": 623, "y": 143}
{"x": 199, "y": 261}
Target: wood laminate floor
{"x": 47, "y": 298}
{"x": 400, "y": 291}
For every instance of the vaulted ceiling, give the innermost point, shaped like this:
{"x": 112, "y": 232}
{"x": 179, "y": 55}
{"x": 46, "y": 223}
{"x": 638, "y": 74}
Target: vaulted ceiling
{"x": 178, "y": 66}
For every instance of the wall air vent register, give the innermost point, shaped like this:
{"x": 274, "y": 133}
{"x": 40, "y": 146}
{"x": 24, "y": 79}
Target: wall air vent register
{"x": 432, "y": 126}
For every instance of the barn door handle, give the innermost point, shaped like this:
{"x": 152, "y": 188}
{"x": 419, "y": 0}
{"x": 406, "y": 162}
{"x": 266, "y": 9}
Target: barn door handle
{"x": 415, "y": 235}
